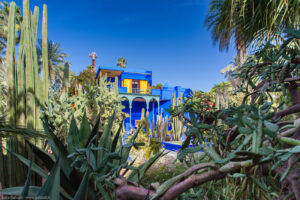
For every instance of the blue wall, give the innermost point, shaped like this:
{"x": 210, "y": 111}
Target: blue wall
{"x": 165, "y": 94}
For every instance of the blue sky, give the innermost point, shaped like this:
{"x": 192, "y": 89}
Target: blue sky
{"x": 165, "y": 36}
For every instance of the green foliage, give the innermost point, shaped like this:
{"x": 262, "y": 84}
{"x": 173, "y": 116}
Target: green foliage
{"x": 122, "y": 62}
{"x": 55, "y": 57}
{"x": 250, "y": 21}
{"x": 157, "y": 86}
{"x": 95, "y": 163}
{"x": 162, "y": 127}
{"x": 4, "y": 15}
{"x": 177, "y": 122}
{"x": 87, "y": 76}
{"x": 98, "y": 97}
{"x": 162, "y": 173}
{"x": 249, "y": 132}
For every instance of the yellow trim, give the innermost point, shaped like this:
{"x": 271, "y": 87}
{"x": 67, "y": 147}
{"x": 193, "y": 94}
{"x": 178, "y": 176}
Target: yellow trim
{"x": 143, "y": 86}
{"x": 128, "y": 84}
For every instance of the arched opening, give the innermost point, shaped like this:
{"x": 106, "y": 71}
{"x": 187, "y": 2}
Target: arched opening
{"x": 153, "y": 111}
{"x": 126, "y": 109}
{"x": 138, "y": 104}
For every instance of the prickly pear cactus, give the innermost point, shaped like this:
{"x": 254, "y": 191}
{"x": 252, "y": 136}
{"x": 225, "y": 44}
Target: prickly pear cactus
{"x": 92, "y": 98}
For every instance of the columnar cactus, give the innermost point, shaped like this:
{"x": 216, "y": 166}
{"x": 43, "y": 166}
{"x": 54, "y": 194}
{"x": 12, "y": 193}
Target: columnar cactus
{"x": 45, "y": 54}
{"x": 11, "y": 73}
{"x": 66, "y": 78}
{"x": 23, "y": 84}
{"x": 177, "y": 123}
{"x": 18, "y": 74}
{"x": 20, "y": 115}
{"x": 162, "y": 127}
{"x": 29, "y": 68}
{"x": 153, "y": 127}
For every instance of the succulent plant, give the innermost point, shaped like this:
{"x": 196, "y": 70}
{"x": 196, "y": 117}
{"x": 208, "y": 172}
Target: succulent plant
{"x": 177, "y": 122}
{"x": 89, "y": 167}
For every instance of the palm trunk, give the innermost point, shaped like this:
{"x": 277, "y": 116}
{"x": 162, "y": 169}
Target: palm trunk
{"x": 241, "y": 48}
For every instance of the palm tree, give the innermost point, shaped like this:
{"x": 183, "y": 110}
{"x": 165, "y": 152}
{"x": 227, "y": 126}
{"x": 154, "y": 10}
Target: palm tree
{"x": 250, "y": 21}
{"x": 56, "y": 59}
{"x": 4, "y": 12}
{"x": 122, "y": 62}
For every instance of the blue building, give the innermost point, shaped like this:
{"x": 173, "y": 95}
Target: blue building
{"x": 135, "y": 87}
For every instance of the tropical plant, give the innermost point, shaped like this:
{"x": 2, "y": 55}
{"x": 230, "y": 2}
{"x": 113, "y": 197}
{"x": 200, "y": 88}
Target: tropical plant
{"x": 177, "y": 121}
{"x": 102, "y": 97}
{"x": 4, "y": 13}
{"x": 152, "y": 144}
{"x": 87, "y": 76}
{"x": 157, "y": 86}
{"x": 91, "y": 166}
{"x": 122, "y": 62}
{"x": 23, "y": 100}
{"x": 162, "y": 124}
{"x": 255, "y": 152}
{"x": 250, "y": 21}
{"x": 253, "y": 140}
{"x": 56, "y": 60}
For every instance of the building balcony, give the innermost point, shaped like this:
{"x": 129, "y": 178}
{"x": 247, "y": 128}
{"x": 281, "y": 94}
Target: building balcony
{"x": 124, "y": 90}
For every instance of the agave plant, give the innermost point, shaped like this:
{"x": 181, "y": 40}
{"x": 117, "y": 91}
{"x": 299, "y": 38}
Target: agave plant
{"x": 86, "y": 168}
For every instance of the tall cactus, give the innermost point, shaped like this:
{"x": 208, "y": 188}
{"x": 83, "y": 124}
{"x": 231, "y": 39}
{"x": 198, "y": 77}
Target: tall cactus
{"x": 45, "y": 54}
{"x": 153, "y": 126}
{"x": 21, "y": 82}
{"x": 145, "y": 121}
{"x": 37, "y": 90}
{"x": 162, "y": 127}
{"x": 177, "y": 123}
{"x": 18, "y": 74}
{"x": 29, "y": 68}
{"x": 66, "y": 78}
{"x": 11, "y": 83}
{"x": 11, "y": 71}
{"x": 23, "y": 70}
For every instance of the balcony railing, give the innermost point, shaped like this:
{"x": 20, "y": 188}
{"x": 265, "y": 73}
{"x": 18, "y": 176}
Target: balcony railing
{"x": 139, "y": 91}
